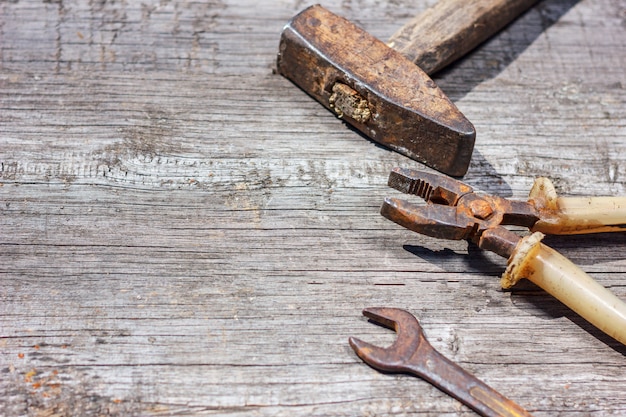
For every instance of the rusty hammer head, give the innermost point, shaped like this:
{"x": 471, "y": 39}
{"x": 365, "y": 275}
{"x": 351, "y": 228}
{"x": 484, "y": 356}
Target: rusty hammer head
{"x": 375, "y": 89}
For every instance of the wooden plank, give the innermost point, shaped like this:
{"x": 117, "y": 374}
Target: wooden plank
{"x": 184, "y": 232}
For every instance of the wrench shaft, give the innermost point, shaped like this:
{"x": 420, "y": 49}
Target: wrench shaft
{"x": 455, "y": 381}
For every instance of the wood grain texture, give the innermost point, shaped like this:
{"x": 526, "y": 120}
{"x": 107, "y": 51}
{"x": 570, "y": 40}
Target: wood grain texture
{"x": 451, "y": 28}
{"x": 184, "y": 232}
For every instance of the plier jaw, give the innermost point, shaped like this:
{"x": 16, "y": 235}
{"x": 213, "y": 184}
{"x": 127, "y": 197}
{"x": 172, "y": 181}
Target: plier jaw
{"x": 439, "y": 221}
{"x": 431, "y": 187}
{"x": 453, "y": 211}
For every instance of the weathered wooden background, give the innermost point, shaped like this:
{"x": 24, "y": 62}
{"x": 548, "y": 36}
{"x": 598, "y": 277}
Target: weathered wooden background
{"x": 185, "y": 232}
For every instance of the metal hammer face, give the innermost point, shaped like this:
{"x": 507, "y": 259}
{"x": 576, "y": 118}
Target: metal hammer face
{"x": 375, "y": 89}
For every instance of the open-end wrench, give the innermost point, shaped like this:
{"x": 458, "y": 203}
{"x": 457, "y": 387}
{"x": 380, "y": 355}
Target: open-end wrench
{"x": 412, "y": 353}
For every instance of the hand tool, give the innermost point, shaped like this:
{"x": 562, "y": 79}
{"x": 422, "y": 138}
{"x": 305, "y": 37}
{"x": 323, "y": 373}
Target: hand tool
{"x": 412, "y": 353}
{"x": 454, "y": 211}
{"x": 378, "y": 90}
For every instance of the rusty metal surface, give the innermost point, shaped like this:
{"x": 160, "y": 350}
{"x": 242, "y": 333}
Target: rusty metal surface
{"x": 412, "y": 353}
{"x": 327, "y": 56}
{"x": 454, "y": 211}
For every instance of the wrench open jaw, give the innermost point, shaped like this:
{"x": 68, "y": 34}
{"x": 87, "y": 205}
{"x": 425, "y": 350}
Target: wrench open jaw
{"x": 412, "y": 353}
{"x": 396, "y": 357}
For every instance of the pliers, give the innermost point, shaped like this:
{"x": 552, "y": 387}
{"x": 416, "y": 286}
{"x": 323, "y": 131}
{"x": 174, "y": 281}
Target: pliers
{"x": 454, "y": 211}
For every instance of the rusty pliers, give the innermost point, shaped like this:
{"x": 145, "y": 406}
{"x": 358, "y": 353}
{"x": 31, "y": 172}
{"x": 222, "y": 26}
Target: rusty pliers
{"x": 454, "y": 211}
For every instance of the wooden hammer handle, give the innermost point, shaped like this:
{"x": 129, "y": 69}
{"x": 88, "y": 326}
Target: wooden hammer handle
{"x": 452, "y": 28}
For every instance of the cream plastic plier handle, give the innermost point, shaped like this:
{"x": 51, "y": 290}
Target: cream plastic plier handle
{"x": 561, "y": 278}
{"x": 575, "y": 215}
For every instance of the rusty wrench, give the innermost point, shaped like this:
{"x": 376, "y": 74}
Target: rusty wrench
{"x": 412, "y": 353}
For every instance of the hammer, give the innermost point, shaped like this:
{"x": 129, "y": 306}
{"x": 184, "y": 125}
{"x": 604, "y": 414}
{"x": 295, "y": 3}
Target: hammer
{"x": 376, "y": 87}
